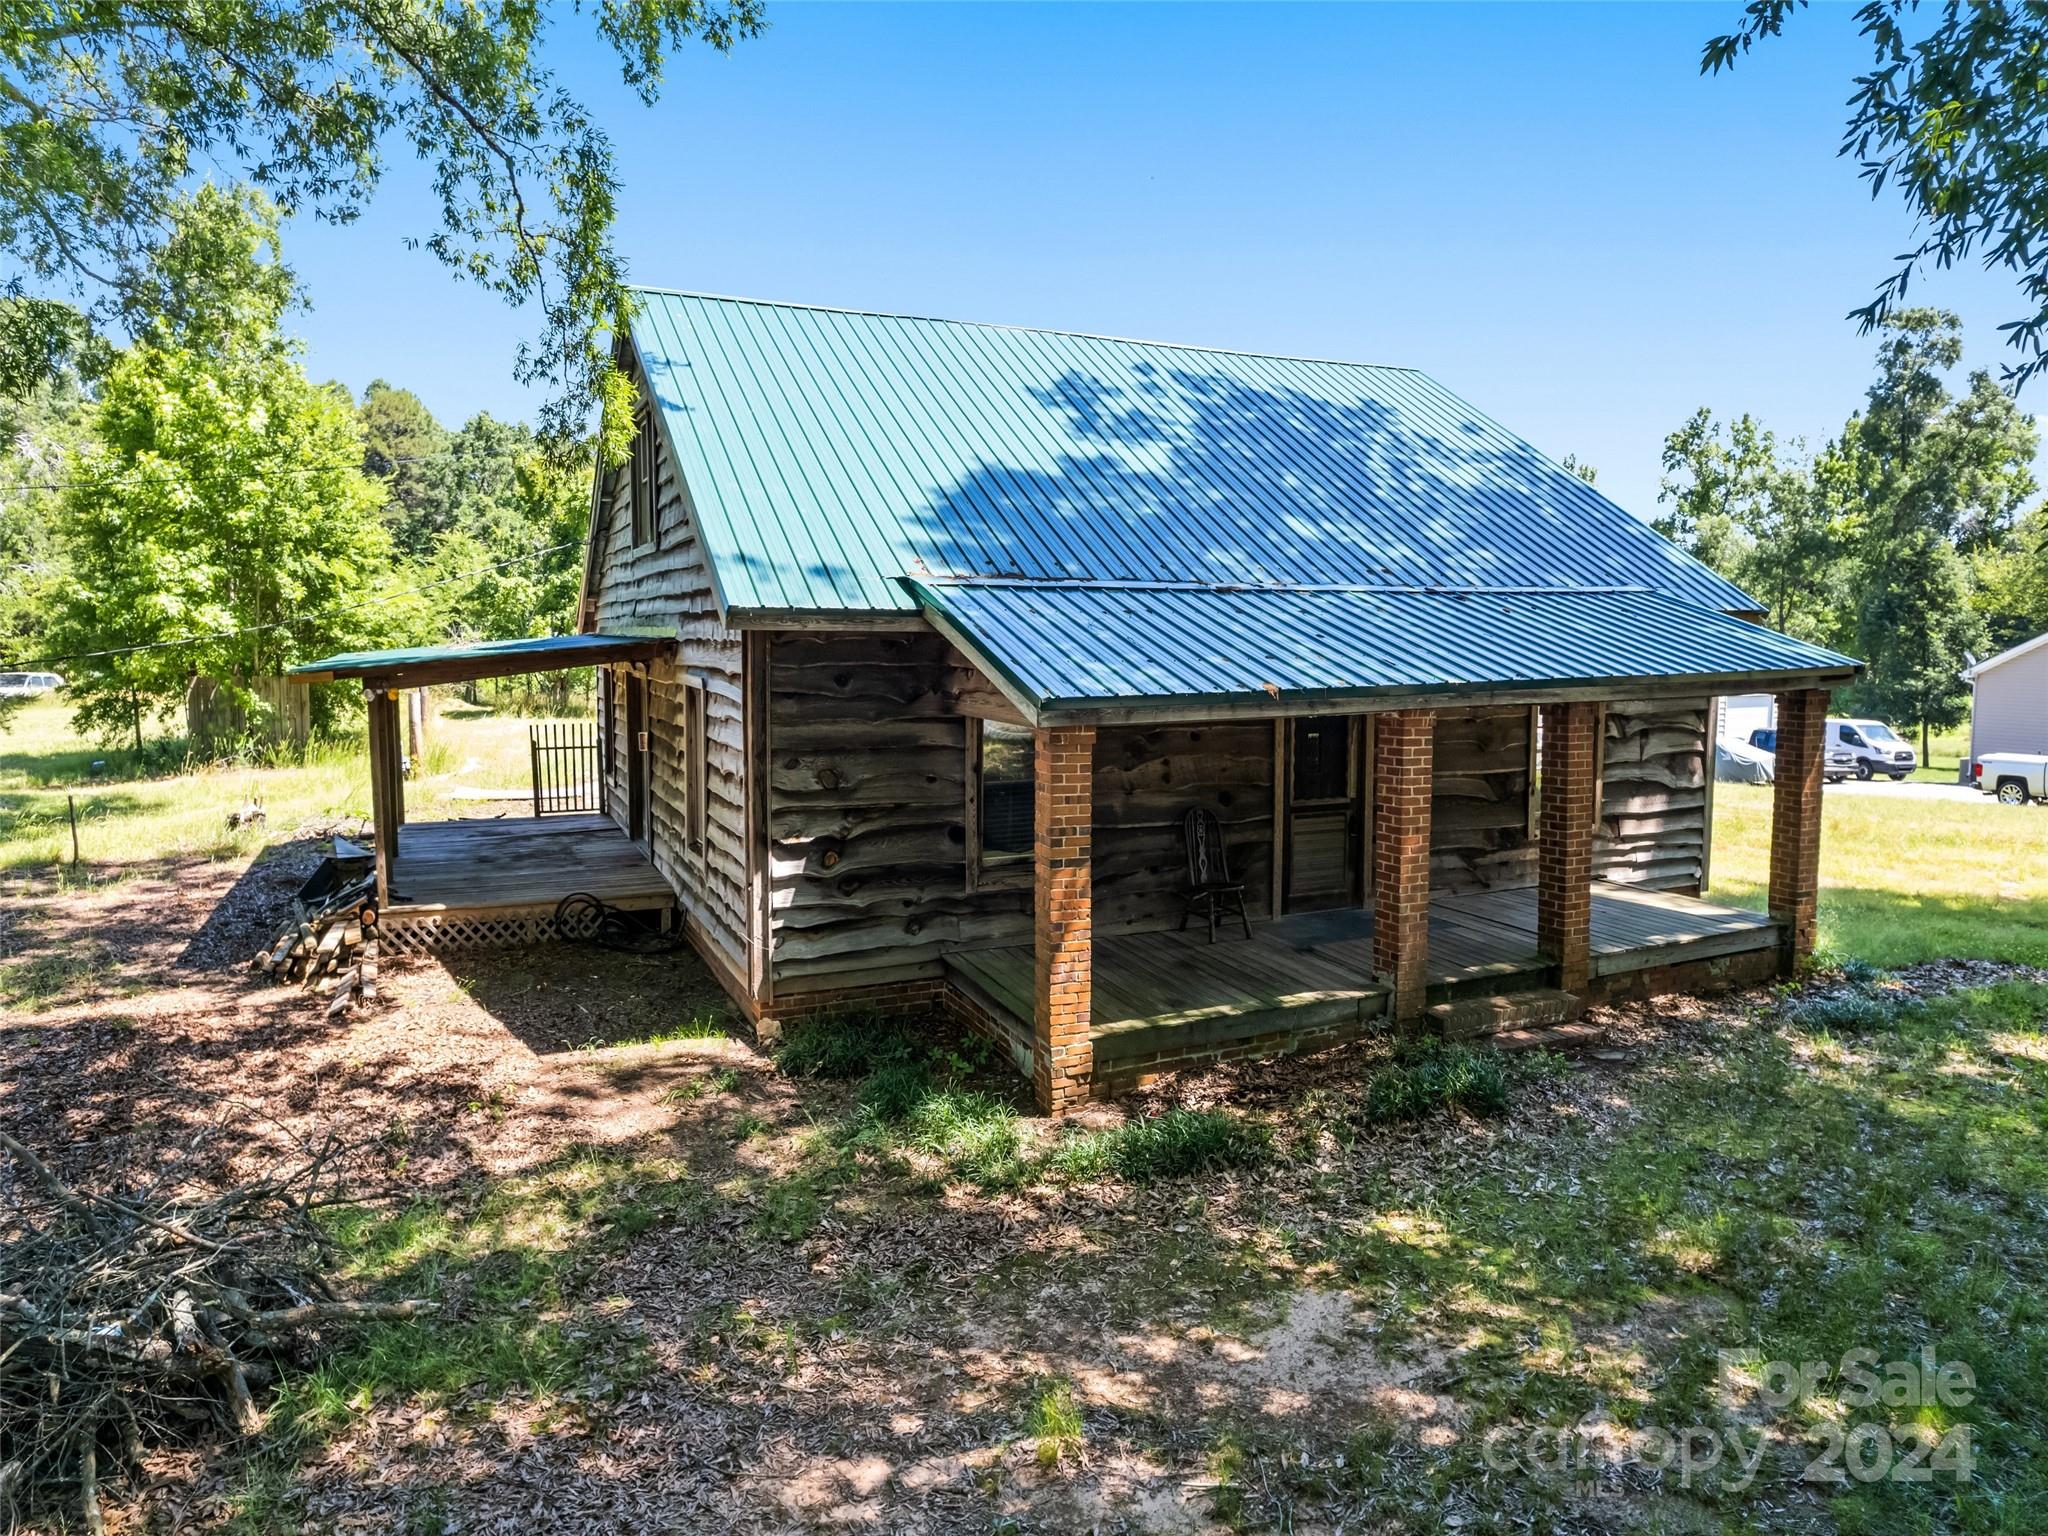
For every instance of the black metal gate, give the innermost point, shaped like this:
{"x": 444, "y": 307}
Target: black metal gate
{"x": 565, "y": 767}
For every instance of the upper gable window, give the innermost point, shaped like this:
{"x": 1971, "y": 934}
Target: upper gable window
{"x": 646, "y": 530}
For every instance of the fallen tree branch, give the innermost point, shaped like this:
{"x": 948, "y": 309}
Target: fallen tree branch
{"x": 131, "y": 1319}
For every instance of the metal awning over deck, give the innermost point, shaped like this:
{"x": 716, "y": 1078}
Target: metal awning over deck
{"x": 416, "y": 666}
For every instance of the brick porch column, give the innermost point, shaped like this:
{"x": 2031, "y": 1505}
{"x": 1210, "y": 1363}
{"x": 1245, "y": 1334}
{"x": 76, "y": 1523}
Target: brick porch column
{"x": 1564, "y": 842}
{"x": 1063, "y": 1054}
{"x": 1795, "y": 821}
{"x": 1403, "y": 755}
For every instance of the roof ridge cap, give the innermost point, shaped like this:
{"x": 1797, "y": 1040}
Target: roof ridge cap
{"x": 1035, "y": 330}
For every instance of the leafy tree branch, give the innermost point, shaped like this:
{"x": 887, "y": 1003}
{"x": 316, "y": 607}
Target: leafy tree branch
{"x": 108, "y": 109}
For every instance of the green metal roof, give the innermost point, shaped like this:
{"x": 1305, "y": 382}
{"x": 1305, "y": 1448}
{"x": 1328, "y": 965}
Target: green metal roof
{"x": 829, "y": 454}
{"x": 1072, "y": 647}
{"x": 483, "y": 658}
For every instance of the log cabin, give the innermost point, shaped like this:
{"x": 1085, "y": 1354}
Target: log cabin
{"x": 920, "y": 640}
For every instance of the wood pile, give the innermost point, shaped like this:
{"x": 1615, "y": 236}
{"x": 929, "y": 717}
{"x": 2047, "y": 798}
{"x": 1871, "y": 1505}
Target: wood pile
{"x": 136, "y": 1319}
{"x": 330, "y": 947}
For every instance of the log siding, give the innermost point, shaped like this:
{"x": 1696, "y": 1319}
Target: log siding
{"x": 1480, "y": 836}
{"x": 1655, "y": 764}
{"x": 867, "y": 814}
{"x": 660, "y": 584}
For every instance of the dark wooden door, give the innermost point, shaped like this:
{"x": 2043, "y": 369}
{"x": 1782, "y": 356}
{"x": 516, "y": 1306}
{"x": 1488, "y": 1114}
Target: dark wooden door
{"x": 1323, "y": 824}
{"x": 638, "y": 758}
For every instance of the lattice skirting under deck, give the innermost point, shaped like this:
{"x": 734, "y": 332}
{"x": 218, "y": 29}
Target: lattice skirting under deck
{"x": 448, "y": 928}
{"x": 427, "y": 933}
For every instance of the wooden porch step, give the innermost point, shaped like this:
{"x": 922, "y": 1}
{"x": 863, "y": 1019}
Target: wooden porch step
{"x": 1471, "y": 1018}
{"x": 1557, "y": 1037}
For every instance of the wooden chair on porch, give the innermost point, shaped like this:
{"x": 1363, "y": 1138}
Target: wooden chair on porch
{"x": 1210, "y": 888}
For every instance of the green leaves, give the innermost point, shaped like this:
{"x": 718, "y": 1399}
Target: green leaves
{"x": 221, "y": 525}
{"x": 106, "y": 108}
{"x": 1953, "y": 117}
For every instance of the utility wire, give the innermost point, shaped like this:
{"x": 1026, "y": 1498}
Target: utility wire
{"x": 298, "y": 618}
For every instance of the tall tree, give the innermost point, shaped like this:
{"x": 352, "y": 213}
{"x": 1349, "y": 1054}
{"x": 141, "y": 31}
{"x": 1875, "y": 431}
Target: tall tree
{"x": 2012, "y": 584}
{"x": 1953, "y": 116}
{"x": 1793, "y": 559}
{"x": 403, "y": 448}
{"x": 1916, "y": 629}
{"x": 1931, "y": 476}
{"x": 221, "y": 525}
{"x": 107, "y": 108}
{"x": 1713, "y": 479}
{"x": 45, "y": 413}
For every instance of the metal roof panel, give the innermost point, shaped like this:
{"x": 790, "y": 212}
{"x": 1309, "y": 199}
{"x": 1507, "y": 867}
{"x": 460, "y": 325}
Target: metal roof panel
{"x": 830, "y": 453}
{"x": 1076, "y": 646}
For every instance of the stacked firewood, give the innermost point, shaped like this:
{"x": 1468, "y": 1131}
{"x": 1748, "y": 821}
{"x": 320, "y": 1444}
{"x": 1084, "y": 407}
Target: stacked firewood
{"x": 334, "y": 956}
{"x": 330, "y": 947}
{"x": 144, "y": 1319}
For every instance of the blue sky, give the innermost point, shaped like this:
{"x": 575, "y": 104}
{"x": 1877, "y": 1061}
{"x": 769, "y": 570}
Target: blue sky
{"x": 1546, "y": 207}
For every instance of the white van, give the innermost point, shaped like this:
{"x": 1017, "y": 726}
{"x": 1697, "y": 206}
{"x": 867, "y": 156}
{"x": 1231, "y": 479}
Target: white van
{"x": 1874, "y": 746}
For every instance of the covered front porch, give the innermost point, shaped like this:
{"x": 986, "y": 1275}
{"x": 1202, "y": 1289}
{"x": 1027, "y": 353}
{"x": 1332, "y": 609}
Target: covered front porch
{"x": 1163, "y": 996}
{"x": 1511, "y": 945}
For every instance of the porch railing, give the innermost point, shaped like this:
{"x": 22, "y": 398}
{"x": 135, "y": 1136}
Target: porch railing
{"x": 565, "y": 767}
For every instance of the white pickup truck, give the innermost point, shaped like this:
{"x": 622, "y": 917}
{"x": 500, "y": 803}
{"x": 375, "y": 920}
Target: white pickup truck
{"x": 2015, "y": 777}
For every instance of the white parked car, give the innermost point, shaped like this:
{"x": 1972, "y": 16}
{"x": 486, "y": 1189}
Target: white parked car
{"x": 26, "y": 685}
{"x": 2015, "y": 777}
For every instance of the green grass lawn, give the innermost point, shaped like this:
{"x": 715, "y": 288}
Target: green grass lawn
{"x": 135, "y": 810}
{"x": 1903, "y": 880}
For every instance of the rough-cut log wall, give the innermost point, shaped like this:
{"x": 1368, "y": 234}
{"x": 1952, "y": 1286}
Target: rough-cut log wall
{"x": 1479, "y": 803}
{"x": 1653, "y": 803}
{"x": 663, "y": 586}
{"x": 868, "y": 828}
{"x": 1147, "y": 778}
{"x": 867, "y": 765}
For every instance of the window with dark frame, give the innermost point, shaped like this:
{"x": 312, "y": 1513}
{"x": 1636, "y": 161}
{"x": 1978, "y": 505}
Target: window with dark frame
{"x": 1005, "y": 789}
{"x": 697, "y": 770}
{"x": 641, "y": 473}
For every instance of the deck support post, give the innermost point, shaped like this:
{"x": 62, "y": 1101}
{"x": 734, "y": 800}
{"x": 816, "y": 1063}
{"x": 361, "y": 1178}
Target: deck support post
{"x": 1063, "y": 1050}
{"x": 387, "y": 785}
{"x": 1568, "y": 811}
{"x": 1403, "y": 765}
{"x": 1795, "y": 822}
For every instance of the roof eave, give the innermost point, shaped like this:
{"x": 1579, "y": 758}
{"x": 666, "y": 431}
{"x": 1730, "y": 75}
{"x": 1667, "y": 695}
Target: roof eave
{"x": 2024, "y": 648}
{"x": 408, "y": 671}
{"x": 1113, "y": 711}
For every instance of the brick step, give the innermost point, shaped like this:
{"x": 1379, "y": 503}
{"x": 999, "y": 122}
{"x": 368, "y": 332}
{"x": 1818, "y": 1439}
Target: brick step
{"x": 1471, "y": 1018}
{"x": 1555, "y": 1037}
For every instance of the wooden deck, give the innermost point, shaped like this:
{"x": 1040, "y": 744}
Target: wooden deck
{"x": 1316, "y": 967}
{"x": 520, "y": 861}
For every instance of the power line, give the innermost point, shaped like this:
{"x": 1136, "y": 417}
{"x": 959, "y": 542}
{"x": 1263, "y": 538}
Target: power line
{"x": 298, "y": 618}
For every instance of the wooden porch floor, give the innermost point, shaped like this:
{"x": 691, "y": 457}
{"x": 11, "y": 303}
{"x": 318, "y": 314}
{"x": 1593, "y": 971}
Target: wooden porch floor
{"x": 521, "y": 861}
{"x": 1316, "y": 967}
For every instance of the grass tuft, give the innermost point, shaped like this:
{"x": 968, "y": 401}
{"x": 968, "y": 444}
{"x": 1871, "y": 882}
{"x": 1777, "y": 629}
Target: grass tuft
{"x": 842, "y": 1046}
{"x": 894, "y": 1092}
{"x": 973, "y": 1134}
{"x": 1055, "y": 1422}
{"x": 1856, "y": 1013}
{"x": 1169, "y": 1146}
{"x": 1431, "y": 1076}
